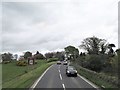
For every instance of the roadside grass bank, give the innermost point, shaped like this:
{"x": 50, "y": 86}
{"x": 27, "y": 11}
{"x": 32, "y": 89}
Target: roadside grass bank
{"x": 103, "y": 81}
{"x": 0, "y": 76}
{"x": 23, "y": 77}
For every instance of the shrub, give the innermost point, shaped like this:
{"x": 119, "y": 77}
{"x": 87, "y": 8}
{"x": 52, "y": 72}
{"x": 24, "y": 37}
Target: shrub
{"x": 35, "y": 62}
{"x": 94, "y": 62}
{"x": 6, "y": 62}
{"x": 26, "y": 71}
{"x": 21, "y": 63}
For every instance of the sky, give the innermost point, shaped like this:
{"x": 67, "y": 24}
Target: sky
{"x": 51, "y": 25}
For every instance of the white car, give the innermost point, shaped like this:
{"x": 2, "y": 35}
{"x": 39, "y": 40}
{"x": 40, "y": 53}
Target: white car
{"x": 58, "y": 62}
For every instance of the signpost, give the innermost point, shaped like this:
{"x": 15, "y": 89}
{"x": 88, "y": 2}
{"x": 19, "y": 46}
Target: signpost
{"x": 31, "y": 61}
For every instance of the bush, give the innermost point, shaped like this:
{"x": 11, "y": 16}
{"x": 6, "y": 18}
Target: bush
{"x": 98, "y": 78}
{"x": 21, "y": 63}
{"x": 6, "y": 62}
{"x": 94, "y": 62}
{"x": 35, "y": 62}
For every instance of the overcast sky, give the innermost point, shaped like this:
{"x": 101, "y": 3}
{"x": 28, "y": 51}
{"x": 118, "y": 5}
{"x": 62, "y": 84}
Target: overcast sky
{"x": 52, "y": 25}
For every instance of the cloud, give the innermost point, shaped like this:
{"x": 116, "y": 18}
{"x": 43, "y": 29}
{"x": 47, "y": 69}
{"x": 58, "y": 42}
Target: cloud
{"x": 50, "y": 26}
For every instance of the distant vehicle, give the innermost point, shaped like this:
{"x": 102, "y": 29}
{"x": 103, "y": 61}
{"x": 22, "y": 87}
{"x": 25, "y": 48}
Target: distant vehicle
{"x": 65, "y": 63}
{"x": 58, "y": 62}
{"x": 71, "y": 71}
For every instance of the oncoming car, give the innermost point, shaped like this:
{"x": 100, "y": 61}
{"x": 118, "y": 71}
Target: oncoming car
{"x": 71, "y": 71}
{"x": 58, "y": 62}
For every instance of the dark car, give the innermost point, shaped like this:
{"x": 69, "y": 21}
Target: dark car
{"x": 71, "y": 71}
{"x": 58, "y": 62}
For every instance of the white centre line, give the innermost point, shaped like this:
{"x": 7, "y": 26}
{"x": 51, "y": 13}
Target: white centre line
{"x": 63, "y": 86}
{"x": 59, "y": 71}
{"x": 89, "y": 82}
{"x": 60, "y": 77}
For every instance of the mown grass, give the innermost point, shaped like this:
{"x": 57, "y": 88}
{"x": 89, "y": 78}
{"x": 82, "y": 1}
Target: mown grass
{"x": 10, "y": 70}
{"x": 22, "y": 77}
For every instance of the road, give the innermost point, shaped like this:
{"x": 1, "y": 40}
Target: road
{"x": 55, "y": 77}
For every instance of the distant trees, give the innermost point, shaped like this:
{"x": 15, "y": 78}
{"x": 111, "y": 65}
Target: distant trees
{"x": 7, "y": 57}
{"x": 39, "y": 56}
{"x": 49, "y": 55}
{"x": 15, "y": 57}
{"x": 71, "y": 52}
{"x": 93, "y": 45}
{"x": 111, "y": 51}
{"x": 27, "y": 54}
{"x": 59, "y": 55}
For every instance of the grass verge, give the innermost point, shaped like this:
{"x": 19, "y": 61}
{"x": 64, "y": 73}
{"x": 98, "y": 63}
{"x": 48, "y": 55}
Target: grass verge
{"x": 26, "y": 80}
{"x": 96, "y": 79}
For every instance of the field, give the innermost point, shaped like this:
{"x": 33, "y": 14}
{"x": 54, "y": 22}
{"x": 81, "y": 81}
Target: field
{"x": 22, "y": 77}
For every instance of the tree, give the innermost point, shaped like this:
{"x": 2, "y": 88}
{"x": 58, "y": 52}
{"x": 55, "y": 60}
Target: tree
{"x": 93, "y": 45}
{"x": 15, "y": 56}
{"x": 118, "y": 52}
{"x": 111, "y": 51}
{"x": 81, "y": 54}
{"x": 95, "y": 63}
{"x": 60, "y": 55}
{"x": 37, "y": 52}
{"x": 7, "y": 56}
{"x": 71, "y": 52}
{"x": 27, "y": 54}
{"x": 49, "y": 55}
{"x": 39, "y": 56}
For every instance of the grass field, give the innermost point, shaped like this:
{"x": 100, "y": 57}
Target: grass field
{"x": 22, "y": 77}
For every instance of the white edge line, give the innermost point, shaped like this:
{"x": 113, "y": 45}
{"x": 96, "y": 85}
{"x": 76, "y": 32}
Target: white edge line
{"x": 93, "y": 85}
{"x": 63, "y": 86}
{"x": 36, "y": 82}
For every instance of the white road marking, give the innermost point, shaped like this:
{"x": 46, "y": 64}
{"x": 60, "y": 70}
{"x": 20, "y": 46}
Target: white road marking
{"x": 88, "y": 82}
{"x": 60, "y": 76}
{"x": 36, "y": 82}
{"x": 59, "y": 71}
{"x": 63, "y": 86}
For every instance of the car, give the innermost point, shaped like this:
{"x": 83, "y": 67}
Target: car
{"x": 71, "y": 71}
{"x": 58, "y": 62}
{"x": 65, "y": 63}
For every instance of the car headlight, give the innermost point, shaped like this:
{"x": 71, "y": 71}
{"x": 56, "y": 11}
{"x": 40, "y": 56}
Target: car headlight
{"x": 76, "y": 71}
{"x": 68, "y": 71}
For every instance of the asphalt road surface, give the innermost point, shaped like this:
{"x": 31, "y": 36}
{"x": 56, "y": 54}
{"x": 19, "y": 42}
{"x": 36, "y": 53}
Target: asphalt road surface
{"x": 56, "y": 77}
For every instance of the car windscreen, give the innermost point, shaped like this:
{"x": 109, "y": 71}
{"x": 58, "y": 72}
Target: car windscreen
{"x": 71, "y": 68}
